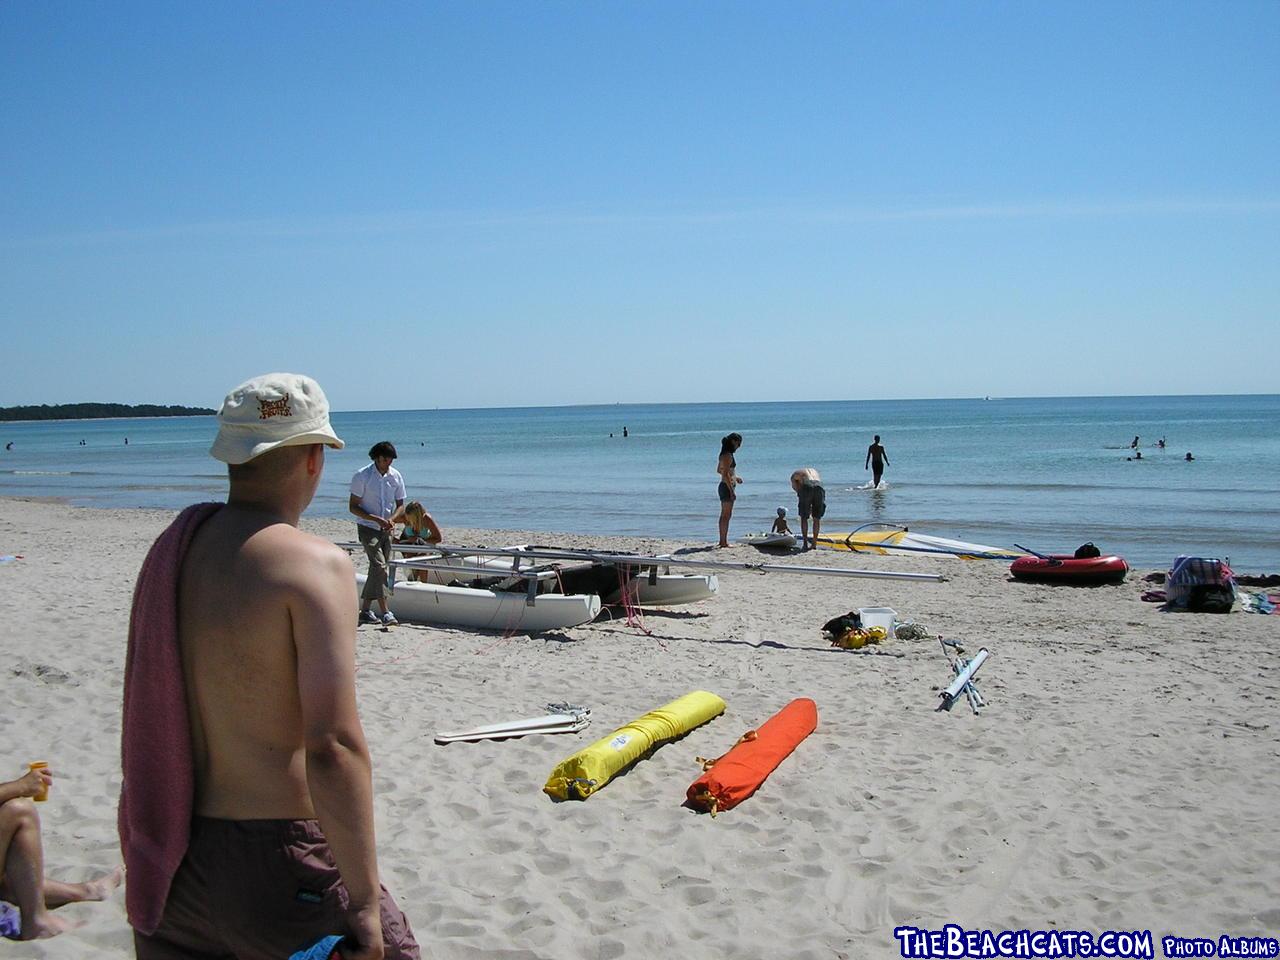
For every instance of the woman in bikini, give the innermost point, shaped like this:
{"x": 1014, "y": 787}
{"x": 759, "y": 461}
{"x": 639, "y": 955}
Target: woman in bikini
{"x": 419, "y": 528}
{"x": 726, "y": 466}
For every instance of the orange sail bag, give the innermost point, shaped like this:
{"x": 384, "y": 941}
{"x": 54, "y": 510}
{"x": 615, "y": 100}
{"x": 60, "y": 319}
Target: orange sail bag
{"x": 728, "y": 781}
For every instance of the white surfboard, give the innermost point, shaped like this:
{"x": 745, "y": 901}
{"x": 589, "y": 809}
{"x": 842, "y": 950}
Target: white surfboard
{"x": 508, "y": 734}
{"x": 769, "y": 541}
{"x": 551, "y": 723}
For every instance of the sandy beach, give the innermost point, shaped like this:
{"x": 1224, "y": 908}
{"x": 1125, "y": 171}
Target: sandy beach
{"x": 1122, "y": 775}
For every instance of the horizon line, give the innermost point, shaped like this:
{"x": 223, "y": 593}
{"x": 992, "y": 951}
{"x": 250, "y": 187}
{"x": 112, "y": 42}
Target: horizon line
{"x": 651, "y": 403}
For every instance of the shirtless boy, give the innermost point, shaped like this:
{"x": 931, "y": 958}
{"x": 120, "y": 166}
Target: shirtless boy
{"x": 281, "y": 849}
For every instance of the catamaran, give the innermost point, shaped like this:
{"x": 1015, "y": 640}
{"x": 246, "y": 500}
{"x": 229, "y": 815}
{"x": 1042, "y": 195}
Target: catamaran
{"x": 510, "y": 596}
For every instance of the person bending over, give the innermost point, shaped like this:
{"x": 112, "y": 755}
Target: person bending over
{"x": 813, "y": 503}
{"x": 22, "y": 879}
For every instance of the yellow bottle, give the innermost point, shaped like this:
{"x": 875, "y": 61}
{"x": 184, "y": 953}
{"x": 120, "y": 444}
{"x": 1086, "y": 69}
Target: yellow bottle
{"x": 43, "y": 795}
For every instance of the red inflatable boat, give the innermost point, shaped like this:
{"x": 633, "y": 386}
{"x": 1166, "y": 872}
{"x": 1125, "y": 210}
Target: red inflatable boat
{"x": 1068, "y": 569}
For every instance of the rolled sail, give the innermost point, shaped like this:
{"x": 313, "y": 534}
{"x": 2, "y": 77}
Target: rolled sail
{"x": 592, "y": 767}
{"x": 737, "y": 775}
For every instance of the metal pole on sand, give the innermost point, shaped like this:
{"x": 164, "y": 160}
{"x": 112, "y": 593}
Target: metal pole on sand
{"x": 965, "y": 671}
{"x": 633, "y": 560}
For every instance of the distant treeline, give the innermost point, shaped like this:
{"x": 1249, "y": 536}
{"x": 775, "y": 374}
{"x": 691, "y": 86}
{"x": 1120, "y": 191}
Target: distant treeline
{"x": 97, "y": 411}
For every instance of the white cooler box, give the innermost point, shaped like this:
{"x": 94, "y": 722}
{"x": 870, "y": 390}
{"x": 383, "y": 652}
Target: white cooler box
{"x": 886, "y": 617}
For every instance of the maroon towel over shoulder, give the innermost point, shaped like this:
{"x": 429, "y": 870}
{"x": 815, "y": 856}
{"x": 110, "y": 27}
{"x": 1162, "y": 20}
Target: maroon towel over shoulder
{"x": 157, "y": 795}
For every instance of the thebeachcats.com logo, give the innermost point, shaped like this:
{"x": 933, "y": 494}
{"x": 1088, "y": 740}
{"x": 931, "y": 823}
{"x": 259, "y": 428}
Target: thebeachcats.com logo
{"x": 954, "y": 940}
{"x": 917, "y": 943}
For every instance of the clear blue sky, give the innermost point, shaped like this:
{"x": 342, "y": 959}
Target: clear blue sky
{"x": 474, "y": 204}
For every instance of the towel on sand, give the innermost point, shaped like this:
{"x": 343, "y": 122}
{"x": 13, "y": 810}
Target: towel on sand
{"x": 10, "y": 922}
{"x": 157, "y": 795}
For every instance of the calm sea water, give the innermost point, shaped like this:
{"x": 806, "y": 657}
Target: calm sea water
{"x": 1046, "y": 473}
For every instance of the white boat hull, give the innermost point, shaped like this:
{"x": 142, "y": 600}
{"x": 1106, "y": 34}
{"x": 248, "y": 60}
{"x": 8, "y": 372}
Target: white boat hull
{"x": 667, "y": 590}
{"x": 769, "y": 541}
{"x": 432, "y": 603}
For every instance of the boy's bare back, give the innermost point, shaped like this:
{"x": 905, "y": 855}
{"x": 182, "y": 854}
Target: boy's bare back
{"x": 266, "y": 624}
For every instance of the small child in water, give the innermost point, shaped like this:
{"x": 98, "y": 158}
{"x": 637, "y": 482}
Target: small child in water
{"x": 780, "y": 523}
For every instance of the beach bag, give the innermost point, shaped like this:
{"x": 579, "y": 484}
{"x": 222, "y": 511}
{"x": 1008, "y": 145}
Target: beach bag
{"x": 1200, "y": 584}
{"x": 838, "y": 626}
{"x": 1087, "y": 551}
{"x": 855, "y": 638}
{"x": 1210, "y": 598}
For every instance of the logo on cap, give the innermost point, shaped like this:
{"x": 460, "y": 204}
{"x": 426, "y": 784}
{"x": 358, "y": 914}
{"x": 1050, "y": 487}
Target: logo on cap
{"x": 274, "y": 408}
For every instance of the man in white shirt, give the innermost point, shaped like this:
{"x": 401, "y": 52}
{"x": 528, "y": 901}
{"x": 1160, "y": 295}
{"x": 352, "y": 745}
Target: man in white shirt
{"x": 377, "y": 500}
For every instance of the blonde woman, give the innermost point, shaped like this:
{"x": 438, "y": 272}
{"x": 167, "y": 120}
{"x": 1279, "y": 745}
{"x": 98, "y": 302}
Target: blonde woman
{"x": 813, "y": 502}
{"x": 419, "y": 528}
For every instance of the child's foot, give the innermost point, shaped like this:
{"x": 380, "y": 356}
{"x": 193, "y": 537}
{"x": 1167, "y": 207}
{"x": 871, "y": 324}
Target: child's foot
{"x": 44, "y": 927}
{"x": 103, "y": 887}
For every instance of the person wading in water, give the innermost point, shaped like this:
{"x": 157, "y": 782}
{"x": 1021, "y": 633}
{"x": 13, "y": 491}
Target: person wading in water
{"x": 877, "y": 460}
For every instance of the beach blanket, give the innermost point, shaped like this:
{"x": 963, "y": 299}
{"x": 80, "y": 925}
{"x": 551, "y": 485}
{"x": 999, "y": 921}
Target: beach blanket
{"x": 157, "y": 795}
{"x": 1260, "y": 603}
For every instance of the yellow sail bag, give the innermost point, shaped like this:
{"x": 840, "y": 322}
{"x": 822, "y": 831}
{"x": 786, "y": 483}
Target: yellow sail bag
{"x": 592, "y": 767}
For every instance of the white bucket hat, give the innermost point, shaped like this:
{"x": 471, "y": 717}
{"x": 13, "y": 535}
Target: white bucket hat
{"x": 270, "y": 411}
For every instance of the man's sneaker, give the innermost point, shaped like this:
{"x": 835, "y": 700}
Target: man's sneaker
{"x": 368, "y": 616}
{"x": 389, "y": 619}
